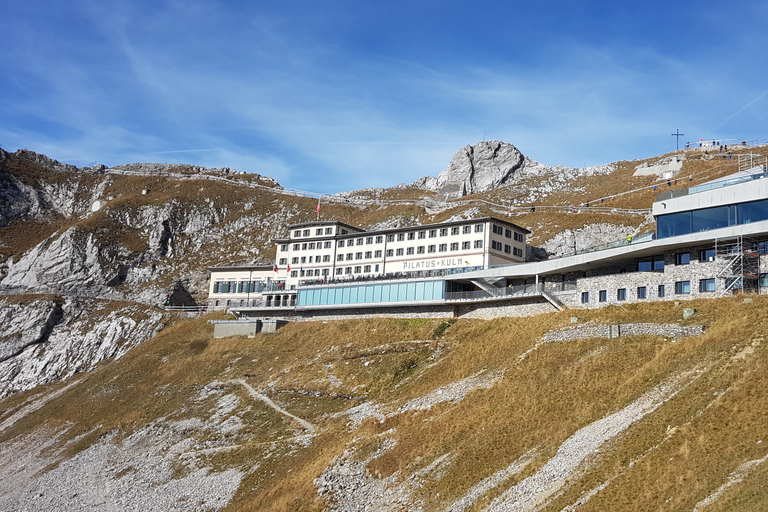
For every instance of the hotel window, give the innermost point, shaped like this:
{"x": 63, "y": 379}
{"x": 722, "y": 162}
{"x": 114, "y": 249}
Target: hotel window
{"x": 508, "y": 233}
{"x": 376, "y": 268}
{"x": 412, "y": 235}
{"x": 284, "y": 247}
{"x": 682, "y": 258}
{"x": 682, "y": 287}
{"x": 377, "y": 254}
{"x": 368, "y": 240}
{"x": 498, "y": 230}
{"x": 400, "y": 237}
{"x": 519, "y": 237}
{"x": 390, "y": 252}
{"x": 326, "y": 258}
{"x": 478, "y": 244}
{"x": 390, "y": 238}
{"x": 350, "y": 256}
{"x": 621, "y": 294}
{"x": 368, "y": 255}
{"x": 443, "y": 231}
{"x": 367, "y": 269}
{"x": 303, "y": 259}
{"x": 297, "y": 233}
{"x": 661, "y": 290}
{"x": 443, "y": 247}
{"x": 478, "y": 228}
{"x": 584, "y": 297}
{"x": 466, "y": 245}
{"x": 707, "y": 255}
{"x": 602, "y": 295}
{"x": 507, "y": 249}
{"x": 296, "y": 247}
{"x": 409, "y": 251}
{"x": 358, "y": 255}
{"x": 422, "y": 235}
{"x": 325, "y": 272}
{"x": 650, "y": 263}
{"x": 420, "y": 249}
{"x": 311, "y": 246}
{"x": 310, "y": 259}
{"x": 339, "y": 271}
{"x": 328, "y": 231}
{"x": 455, "y": 246}
{"x": 517, "y": 252}
{"x": 294, "y": 273}
{"x": 432, "y": 233}
{"x": 306, "y": 232}
{"x": 282, "y": 261}
{"x": 327, "y": 245}
{"x": 295, "y": 260}
{"x": 341, "y": 243}
{"x": 641, "y": 292}
{"x": 466, "y": 230}
{"x": 318, "y": 231}
{"x": 360, "y": 241}
{"x": 379, "y": 239}
{"x": 455, "y": 230}
{"x": 348, "y": 270}
{"x": 340, "y": 257}
{"x": 344, "y": 231}
{"x": 431, "y": 248}
{"x": 304, "y": 246}
{"x": 399, "y": 252}
{"x": 707, "y": 285}
{"x": 358, "y": 269}
{"x": 496, "y": 246}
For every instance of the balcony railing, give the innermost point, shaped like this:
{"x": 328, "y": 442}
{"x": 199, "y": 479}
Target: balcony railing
{"x": 524, "y": 290}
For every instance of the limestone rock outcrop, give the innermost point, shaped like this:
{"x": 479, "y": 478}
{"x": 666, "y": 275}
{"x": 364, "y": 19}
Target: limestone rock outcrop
{"x": 479, "y": 168}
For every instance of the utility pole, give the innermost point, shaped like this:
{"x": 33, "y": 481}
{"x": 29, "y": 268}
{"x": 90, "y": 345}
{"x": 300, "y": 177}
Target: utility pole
{"x": 678, "y": 135}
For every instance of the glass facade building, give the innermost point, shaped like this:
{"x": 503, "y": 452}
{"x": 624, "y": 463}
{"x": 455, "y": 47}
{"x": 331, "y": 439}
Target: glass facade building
{"x": 706, "y": 219}
{"x": 372, "y": 293}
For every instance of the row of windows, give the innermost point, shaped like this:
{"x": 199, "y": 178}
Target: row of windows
{"x": 325, "y": 258}
{"x": 681, "y": 288}
{"x": 682, "y": 223}
{"x": 508, "y": 233}
{"x": 508, "y": 249}
{"x": 318, "y": 232}
{"x": 308, "y": 246}
{"x": 244, "y": 286}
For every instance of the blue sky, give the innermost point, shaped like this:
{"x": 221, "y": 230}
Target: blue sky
{"x": 334, "y": 95}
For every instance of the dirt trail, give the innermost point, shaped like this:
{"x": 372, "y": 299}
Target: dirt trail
{"x": 258, "y": 396}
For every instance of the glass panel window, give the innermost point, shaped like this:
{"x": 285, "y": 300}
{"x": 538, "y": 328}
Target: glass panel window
{"x": 340, "y": 257}
{"x": 420, "y": 249}
{"x": 641, "y": 292}
{"x": 390, "y": 252}
{"x": 466, "y": 230}
{"x": 409, "y": 251}
{"x": 709, "y": 218}
{"x": 682, "y": 258}
{"x": 358, "y": 255}
{"x": 455, "y": 230}
{"x": 673, "y": 224}
{"x": 455, "y": 246}
{"x": 367, "y": 269}
{"x": 422, "y": 235}
{"x": 443, "y": 247}
{"x": 379, "y": 239}
{"x": 443, "y": 231}
{"x": 391, "y": 238}
{"x": 431, "y": 248}
{"x": 412, "y": 235}
{"x": 305, "y": 233}
{"x": 341, "y": 243}
{"x": 360, "y": 241}
{"x": 328, "y": 231}
{"x": 661, "y": 290}
{"x": 400, "y": 237}
{"x": 752, "y": 212}
{"x": 478, "y": 244}
{"x": 602, "y": 295}
{"x": 318, "y": 231}
{"x": 507, "y": 249}
{"x": 682, "y": 287}
{"x": 621, "y": 294}
{"x": 399, "y": 252}
{"x": 707, "y": 255}
{"x": 478, "y": 228}
{"x": 466, "y": 245}
{"x": 377, "y": 254}
{"x": 432, "y": 233}
{"x": 707, "y": 285}
{"x": 584, "y": 297}
{"x": 297, "y": 233}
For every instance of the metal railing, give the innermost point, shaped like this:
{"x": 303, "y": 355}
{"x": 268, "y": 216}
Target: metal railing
{"x": 524, "y": 290}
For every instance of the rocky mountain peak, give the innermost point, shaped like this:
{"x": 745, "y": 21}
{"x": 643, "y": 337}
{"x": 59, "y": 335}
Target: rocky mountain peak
{"x": 479, "y": 168}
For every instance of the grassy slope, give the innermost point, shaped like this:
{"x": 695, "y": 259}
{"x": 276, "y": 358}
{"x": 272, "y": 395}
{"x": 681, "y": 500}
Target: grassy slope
{"x": 681, "y": 453}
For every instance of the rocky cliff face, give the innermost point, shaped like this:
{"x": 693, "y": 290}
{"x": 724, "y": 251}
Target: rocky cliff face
{"x": 46, "y": 339}
{"x": 480, "y": 168}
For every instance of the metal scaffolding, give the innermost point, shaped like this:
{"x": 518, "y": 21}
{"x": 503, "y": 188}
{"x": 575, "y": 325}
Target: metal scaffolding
{"x": 739, "y": 264}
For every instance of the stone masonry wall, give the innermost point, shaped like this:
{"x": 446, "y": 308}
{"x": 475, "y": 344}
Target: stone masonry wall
{"x": 591, "y": 330}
